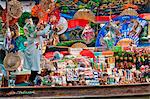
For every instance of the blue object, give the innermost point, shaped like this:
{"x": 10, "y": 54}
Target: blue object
{"x": 37, "y": 2}
{"x": 125, "y": 21}
{"x": 15, "y": 49}
{"x": 3, "y": 70}
{"x": 66, "y": 16}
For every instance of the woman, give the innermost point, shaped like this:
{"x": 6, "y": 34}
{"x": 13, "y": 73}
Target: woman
{"x": 31, "y": 54}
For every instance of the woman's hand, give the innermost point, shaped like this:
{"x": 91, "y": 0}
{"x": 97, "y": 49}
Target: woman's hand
{"x": 26, "y": 44}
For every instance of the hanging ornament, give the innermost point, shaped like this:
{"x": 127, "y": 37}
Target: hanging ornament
{"x": 85, "y": 14}
{"x": 37, "y": 11}
{"x": 11, "y": 20}
{"x": 15, "y": 8}
{"x": 117, "y": 57}
{"x": 88, "y": 34}
{"x": 54, "y": 16}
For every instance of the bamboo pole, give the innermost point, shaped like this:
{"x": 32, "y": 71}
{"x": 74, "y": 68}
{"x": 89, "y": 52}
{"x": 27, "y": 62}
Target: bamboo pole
{"x": 7, "y": 26}
{"x": 7, "y": 20}
{"x": 148, "y": 29}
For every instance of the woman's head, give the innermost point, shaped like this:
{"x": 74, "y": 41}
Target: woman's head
{"x": 35, "y": 20}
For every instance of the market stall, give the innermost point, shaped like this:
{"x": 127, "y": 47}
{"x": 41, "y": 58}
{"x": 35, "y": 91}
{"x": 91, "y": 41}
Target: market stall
{"x": 55, "y": 44}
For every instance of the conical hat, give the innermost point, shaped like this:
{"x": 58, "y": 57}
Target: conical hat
{"x": 129, "y": 5}
{"x": 12, "y": 61}
{"x": 85, "y": 14}
{"x": 79, "y": 45}
{"x": 129, "y": 11}
{"x": 15, "y": 8}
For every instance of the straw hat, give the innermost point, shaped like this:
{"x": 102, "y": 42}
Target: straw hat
{"x": 12, "y": 61}
{"x": 129, "y": 11}
{"x": 79, "y": 45}
{"x": 85, "y": 14}
{"x": 15, "y": 8}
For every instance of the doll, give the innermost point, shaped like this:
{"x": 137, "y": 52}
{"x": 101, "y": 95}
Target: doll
{"x": 88, "y": 34}
{"x": 122, "y": 80}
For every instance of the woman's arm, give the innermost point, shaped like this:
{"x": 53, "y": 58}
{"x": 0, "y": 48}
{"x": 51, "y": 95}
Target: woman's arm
{"x": 44, "y": 31}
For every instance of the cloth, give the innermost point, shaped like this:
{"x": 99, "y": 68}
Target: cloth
{"x": 20, "y": 42}
{"x": 3, "y": 70}
{"x": 15, "y": 49}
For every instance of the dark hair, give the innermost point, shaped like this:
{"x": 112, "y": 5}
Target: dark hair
{"x": 35, "y": 20}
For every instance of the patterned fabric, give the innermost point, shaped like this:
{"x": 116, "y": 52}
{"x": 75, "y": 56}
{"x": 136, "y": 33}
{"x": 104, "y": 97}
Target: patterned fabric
{"x": 20, "y": 42}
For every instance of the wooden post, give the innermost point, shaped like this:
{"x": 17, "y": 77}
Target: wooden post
{"x": 7, "y": 26}
{"x": 149, "y": 29}
{"x": 7, "y": 18}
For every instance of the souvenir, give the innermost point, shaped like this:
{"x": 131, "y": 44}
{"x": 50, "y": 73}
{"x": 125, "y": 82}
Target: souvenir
{"x": 126, "y": 6}
{"x": 83, "y": 13}
{"x": 79, "y": 45}
{"x": 45, "y": 4}
{"x": 1, "y": 79}
{"x": 64, "y": 82}
{"x": 57, "y": 56}
{"x": 70, "y": 74}
{"x": 12, "y": 20}
{"x": 62, "y": 25}
{"x": 15, "y": 8}
{"x": 12, "y": 61}
{"x": 88, "y": 34}
{"x": 111, "y": 80}
{"x": 87, "y": 53}
{"x": 37, "y": 11}
{"x": 129, "y": 11}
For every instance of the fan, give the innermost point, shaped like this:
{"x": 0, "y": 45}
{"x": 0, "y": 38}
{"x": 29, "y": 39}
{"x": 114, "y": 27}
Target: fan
{"x": 85, "y": 14}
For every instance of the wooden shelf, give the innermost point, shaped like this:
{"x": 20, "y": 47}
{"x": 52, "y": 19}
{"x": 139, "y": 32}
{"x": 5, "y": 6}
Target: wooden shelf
{"x": 96, "y": 91}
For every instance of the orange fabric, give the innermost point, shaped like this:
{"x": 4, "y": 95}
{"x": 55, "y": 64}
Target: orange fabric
{"x": 36, "y": 10}
{"x": 109, "y": 53}
{"x": 126, "y": 6}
